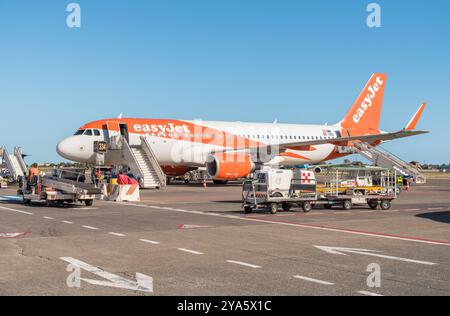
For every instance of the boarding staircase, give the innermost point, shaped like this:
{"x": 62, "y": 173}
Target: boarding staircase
{"x": 143, "y": 164}
{"x": 382, "y": 158}
{"x": 15, "y": 163}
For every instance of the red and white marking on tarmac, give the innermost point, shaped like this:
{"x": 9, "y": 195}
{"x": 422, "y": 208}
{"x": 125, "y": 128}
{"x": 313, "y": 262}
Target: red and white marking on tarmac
{"x": 12, "y": 235}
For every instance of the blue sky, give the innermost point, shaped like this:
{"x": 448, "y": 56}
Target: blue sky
{"x": 254, "y": 60}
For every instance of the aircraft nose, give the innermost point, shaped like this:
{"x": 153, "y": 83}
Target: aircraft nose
{"x": 64, "y": 149}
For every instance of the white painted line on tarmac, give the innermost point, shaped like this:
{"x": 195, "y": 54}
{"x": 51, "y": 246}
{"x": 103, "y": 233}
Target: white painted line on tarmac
{"x": 90, "y": 227}
{"x": 413, "y": 209}
{"x": 366, "y": 252}
{"x": 14, "y": 210}
{"x": 117, "y": 234}
{"x": 191, "y": 251}
{"x": 342, "y": 213}
{"x": 48, "y": 217}
{"x": 312, "y": 280}
{"x": 369, "y": 293}
{"x": 67, "y": 222}
{"x": 150, "y": 241}
{"x": 245, "y": 264}
{"x": 367, "y": 211}
{"x": 232, "y": 216}
{"x": 435, "y": 208}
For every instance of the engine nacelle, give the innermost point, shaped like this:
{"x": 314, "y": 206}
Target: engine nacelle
{"x": 225, "y": 166}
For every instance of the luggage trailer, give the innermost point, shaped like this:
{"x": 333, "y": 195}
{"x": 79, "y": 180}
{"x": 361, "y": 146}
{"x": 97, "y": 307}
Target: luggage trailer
{"x": 57, "y": 191}
{"x": 344, "y": 187}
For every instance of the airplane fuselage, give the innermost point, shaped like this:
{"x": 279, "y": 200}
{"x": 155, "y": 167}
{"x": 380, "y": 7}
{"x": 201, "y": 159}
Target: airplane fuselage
{"x": 188, "y": 143}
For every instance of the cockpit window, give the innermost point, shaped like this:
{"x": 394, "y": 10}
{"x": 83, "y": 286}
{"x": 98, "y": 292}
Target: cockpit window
{"x": 88, "y": 132}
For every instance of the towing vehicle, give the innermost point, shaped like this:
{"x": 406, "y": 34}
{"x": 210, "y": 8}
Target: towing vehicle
{"x": 57, "y": 190}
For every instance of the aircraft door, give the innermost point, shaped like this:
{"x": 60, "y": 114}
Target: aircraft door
{"x": 113, "y": 129}
{"x": 124, "y": 132}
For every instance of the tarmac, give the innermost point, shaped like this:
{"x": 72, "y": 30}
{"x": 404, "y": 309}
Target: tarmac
{"x": 190, "y": 240}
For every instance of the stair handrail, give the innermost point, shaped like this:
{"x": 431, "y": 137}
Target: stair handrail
{"x": 9, "y": 164}
{"x": 18, "y": 154}
{"x": 156, "y": 166}
{"x": 404, "y": 166}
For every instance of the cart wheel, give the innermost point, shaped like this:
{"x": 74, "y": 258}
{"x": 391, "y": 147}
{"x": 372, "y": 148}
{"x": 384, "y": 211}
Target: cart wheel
{"x": 89, "y": 202}
{"x": 307, "y": 207}
{"x": 286, "y": 206}
{"x": 273, "y": 208}
{"x": 248, "y": 210}
{"x": 347, "y": 205}
{"x": 328, "y": 206}
{"x": 373, "y": 204}
{"x": 385, "y": 205}
{"x": 27, "y": 201}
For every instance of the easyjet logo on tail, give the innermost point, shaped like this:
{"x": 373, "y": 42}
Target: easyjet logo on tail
{"x": 368, "y": 100}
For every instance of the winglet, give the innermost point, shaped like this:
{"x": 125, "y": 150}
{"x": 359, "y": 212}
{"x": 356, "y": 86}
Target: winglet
{"x": 415, "y": 119}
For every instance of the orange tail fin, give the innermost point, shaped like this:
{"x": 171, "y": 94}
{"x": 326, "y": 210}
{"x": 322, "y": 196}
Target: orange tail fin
{"x": 364, "y": 115}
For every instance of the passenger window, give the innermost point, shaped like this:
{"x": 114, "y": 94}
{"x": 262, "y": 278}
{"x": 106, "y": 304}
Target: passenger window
{"x": 88, "y": 132}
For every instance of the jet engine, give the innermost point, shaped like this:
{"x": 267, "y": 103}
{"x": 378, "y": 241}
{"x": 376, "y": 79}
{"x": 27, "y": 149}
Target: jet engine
{"x": 225, "y": 166}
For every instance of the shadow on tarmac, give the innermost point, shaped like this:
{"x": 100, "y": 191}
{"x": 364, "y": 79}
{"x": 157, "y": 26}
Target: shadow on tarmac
{"x": 442, "y": 217}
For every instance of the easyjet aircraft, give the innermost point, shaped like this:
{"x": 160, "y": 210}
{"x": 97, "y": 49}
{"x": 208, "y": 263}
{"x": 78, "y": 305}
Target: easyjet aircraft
{"x": 231, "y": 150}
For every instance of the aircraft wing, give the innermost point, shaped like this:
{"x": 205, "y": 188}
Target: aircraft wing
{"x": 341, "y": 141}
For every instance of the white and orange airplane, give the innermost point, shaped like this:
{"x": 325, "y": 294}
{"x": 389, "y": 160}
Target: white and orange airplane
{"x": 232, "y": 150}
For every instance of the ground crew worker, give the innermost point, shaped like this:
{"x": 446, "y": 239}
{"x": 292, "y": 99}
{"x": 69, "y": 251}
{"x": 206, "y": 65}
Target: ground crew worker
{"x": 98, "y": 176}
{"x": 33, "y": 172}
{"x": 33, "y": 176}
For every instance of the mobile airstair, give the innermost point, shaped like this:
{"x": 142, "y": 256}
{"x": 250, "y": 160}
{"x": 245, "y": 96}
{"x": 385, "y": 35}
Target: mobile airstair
{"x": 382, "y": 158}
{"x": 143, "y": 164}
{"x": 15, "y": 163}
